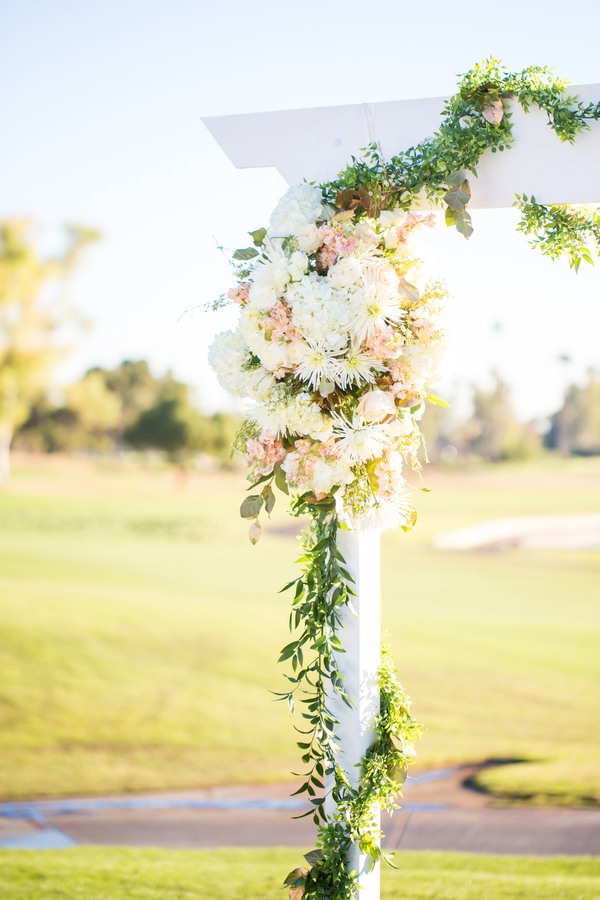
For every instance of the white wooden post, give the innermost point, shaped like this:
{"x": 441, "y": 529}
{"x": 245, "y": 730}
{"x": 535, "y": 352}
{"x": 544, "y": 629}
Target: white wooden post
{"x": 315, "y": 144}
{"x": 359, "y": 665}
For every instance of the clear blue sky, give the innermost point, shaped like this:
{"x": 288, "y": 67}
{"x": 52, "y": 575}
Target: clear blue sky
{"x": 101, "y": 107}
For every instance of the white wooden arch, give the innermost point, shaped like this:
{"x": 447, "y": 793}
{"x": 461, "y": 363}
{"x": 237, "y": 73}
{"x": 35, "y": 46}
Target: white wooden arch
{"x": 316, "y": 144}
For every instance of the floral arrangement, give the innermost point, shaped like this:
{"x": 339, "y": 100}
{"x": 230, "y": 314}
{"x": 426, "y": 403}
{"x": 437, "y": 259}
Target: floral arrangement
{"x": 337, "y": 348}
{"x": 337, "y": 344}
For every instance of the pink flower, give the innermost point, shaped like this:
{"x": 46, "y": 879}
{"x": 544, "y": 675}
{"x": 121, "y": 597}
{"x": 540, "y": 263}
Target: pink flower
{"x": 239, "y": 294}
{"x": 264, "y": 453}
{"x": 326, "y": 258}
{"x": 375, "y": 406}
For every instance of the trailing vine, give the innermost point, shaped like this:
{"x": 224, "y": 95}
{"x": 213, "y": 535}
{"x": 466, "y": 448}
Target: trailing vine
{"x": 320, "y": 594}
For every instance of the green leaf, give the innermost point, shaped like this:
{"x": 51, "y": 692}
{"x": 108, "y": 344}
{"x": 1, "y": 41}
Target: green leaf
{"x": 245, "y": 254}
{"x": 258, "y": 236}
{"x": 455, "y": 179}
{"x": 458, "y": 197}
{"x": 464, "y": 224}
{"x": 280, "y": 480}
{"x": 251, "y": 506}
{"x": 437, "y": 401}
{"x": 313, "y": 857}
{"x": 269, "y": 499}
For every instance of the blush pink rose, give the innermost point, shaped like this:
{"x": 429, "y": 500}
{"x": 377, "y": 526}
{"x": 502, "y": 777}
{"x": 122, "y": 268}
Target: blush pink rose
{"x": 375, "y": 406}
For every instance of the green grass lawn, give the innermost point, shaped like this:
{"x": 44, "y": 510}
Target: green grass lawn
{"x": 108, "y": 874}
{"x": 139, "y": 632}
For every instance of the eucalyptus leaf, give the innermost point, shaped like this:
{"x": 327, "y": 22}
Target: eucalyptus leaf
{"x": 269, "y": 498}
{"x": 258, "y": 236}
{"x": 280, "y": 480}
{"x": 251, "y": 506}
{"x": 456, "y": 178}
{"x": 458, "y": 197}
{"x": 464, "y": 224}
{"x": 245, "y": 254}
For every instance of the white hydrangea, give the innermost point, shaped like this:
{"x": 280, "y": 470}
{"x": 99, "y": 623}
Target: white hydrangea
{"x": 323, "y": 316}
{"x": 298, "y": 415}
{"x": 301, "y": 205}
{"x": 228, "y": 355}
{"x": 326, "y": 474}
{"x": 345, "y": 274}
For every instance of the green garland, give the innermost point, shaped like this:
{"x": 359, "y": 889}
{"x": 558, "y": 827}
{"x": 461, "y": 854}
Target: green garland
{"x": 320, "y": 594}
{"x": 475, "y": 120}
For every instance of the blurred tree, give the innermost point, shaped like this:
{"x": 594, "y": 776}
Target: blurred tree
{"x": 172, "y": 424}
{"x": 135, "y": 386}
{"x": 97, "y": 408}
{"x": 494, "y": 431}
{"x": 34, "y": 315}
{"x": 575, "y": 428}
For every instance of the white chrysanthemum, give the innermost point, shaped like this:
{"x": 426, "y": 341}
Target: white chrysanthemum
{"x": 358, "y": 441}
{"x": 357, "y": 366}
{"x": 297, "y": 415}
{"x": 228, "y": 355}
{"x": 317, "y": 364}
{"x": 387, "y": 513}
{"x": 302, "y": 204}
{"x": 375, "y": 309}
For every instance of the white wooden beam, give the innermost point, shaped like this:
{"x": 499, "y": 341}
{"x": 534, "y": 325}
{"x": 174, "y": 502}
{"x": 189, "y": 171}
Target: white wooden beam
{"x": 316, "y": 144}
{"x": 359, "y": 666}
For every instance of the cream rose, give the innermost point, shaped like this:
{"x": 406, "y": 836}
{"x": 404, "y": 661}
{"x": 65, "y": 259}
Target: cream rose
{"x": 307, "y": 237}
{"x": 375, "y": 406}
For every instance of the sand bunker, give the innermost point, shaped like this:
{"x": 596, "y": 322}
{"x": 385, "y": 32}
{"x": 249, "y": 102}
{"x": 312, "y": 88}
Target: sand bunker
{"x": 564, "y": 532}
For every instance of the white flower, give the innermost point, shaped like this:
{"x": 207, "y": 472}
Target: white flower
{"x": 258, "y": 384}
{"x": 356, "y": 366}
{"x": 375, "y": 406}
{"x": 301, "y": 205}
{"x": 317, "y": 365}
{"x": 297, "y": 266}
{"x": 329, "y": 472}
{"x": 365, "y": 232}
{"x": 297, "y": 415}
{"x": 387, "y": 513}
{"x": 307, "y": 238}
{"x": 391, "y": 218}
{"x": 357, "y": 441}
{"x": 321, "y": 315}
{"x": 377, "y": 306}
{"x": 228, "y": 355}
{"x": 345, "y": 274}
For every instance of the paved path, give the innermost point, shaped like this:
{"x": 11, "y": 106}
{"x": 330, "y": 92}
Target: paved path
{"x": 438, "y": 813}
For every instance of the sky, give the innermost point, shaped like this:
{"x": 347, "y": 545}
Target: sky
{"x": 101, "y": 110}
